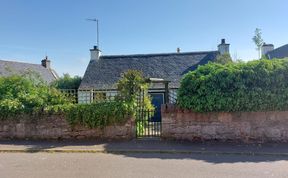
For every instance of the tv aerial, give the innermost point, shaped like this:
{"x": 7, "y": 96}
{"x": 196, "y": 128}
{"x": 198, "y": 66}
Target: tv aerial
{"x": 97, "y": 28}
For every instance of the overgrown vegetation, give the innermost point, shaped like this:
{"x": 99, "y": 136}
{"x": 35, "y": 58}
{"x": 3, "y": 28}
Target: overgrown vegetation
{"x": 133, "y": 90}
{"x": 223, "y": 59}
{"x": 99, "y": 114}
{"x": 23, "y": 95}
{"x": 67, "y": 82}
{"x": 103, "y": 113}
{"x": 253, "y": 86}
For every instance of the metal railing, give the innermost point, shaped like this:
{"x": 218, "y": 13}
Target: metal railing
{"x": 94, "y": 95}
{"x": 89, "y": 96}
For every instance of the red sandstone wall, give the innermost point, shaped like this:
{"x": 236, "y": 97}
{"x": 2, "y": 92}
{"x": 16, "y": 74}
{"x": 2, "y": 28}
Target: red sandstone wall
{"x": 56, "y": 127}
{"x": 242, "y": 126}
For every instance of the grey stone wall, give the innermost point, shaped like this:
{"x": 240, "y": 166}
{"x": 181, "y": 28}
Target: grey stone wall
{"x": 56, "y": 127}
{"x": 243, "y": 126}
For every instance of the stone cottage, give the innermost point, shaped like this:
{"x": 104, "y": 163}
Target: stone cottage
{"x": 43, "y": 70}
{"x": 103, "y": 72}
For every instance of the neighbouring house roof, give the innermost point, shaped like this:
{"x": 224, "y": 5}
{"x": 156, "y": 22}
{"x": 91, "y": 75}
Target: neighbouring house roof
{"x": 281, "y": 52}
{"x": 104, "y": 73}
{"x": 8, "y": 68}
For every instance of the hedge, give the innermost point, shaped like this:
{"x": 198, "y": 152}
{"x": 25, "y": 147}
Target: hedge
{"x": 260, "y": 85}
{"x": 100, "y": 114}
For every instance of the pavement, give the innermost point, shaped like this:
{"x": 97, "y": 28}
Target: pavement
{"x": 143, "y": 146}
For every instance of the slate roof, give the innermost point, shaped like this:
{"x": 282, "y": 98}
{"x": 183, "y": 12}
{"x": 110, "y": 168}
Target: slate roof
{"x": 281, "y": 52}
{"x": 8, "y": 68}
{"x": 104, "y": 73}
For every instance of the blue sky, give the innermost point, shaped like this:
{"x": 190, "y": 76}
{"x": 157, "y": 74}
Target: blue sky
{"x": 31, "y": 29}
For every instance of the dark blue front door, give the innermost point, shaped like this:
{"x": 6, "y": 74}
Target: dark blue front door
{"x": 157, "y": 101}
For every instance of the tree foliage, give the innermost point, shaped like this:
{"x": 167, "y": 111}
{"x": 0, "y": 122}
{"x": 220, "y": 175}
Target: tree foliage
{"x": 252, "y": 86}
{"x": 257, "y": 39}
{"x": 131, "y": 86}
{"x": 67, "y": 82}
{"x": 223, "y": 59}
{"x": 19, "y": 94}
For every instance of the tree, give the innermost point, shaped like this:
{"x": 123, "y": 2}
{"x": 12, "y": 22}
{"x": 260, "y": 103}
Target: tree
{"x": 131, "y": 85}
{"x": 257, "y": 39}
{"x": 67, "y": 82}
{"x": 223, "y": 59}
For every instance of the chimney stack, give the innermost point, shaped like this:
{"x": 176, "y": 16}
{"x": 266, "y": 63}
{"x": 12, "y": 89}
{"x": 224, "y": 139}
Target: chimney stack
{"x": 46, "y": 63}
{"x": 266, "y": 48}
{"x": 95, "y": 53}
{"x": 223, "y": 48}
{"x": 178, "y": 50}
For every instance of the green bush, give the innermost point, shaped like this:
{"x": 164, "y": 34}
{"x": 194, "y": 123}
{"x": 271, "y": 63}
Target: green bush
{"x": 67, "y": 82}
{"x": 260, "y": 85}
{"x": 131, "y": 87}
{"x": 22, "y": 95}
{"x": 224, "y": 59}
{"x": 99, "y": 114}
{"x": 103, "y": 113}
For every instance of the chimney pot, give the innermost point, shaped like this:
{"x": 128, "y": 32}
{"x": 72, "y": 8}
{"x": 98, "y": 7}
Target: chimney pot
{"x": 266, "y": 48}
{"x": 95, "y": 53}
{"x": 46, "y": 62}
{"x": 223, "y": 48}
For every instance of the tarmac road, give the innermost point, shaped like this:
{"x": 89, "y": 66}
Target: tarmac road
{"x": 140, "y": 165}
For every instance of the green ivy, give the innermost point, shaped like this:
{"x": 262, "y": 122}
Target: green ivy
{"x": 259, "y": 85}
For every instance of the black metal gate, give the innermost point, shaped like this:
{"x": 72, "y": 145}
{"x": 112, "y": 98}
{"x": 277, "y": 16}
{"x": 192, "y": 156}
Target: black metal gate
{"x": 148, "y": 123}
{"x": 145, "y": 126}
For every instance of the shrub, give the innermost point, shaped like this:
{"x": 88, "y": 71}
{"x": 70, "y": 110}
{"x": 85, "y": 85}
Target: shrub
{"x": 253, "y": 86}
{"x": 131, "y": 86}
{"x": 22, "y": 95}
{"x": 10, "y": 107}
{"x": 223, "y": 59}
{"x": 104, "y": 113}
{"x": 98, "y": 114}
{"x": 67, "y": 82}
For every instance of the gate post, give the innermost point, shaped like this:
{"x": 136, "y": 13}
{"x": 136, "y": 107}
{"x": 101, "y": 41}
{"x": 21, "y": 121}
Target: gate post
{"x": 166, "y": 94}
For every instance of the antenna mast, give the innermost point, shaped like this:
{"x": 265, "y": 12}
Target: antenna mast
{"x": 97, "y": 23}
